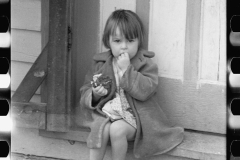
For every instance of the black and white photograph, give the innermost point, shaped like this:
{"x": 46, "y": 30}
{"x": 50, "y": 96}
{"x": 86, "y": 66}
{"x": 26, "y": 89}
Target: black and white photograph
{"x": 122, "y": 80}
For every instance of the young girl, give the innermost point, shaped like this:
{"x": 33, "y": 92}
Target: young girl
{"x": 123, "y": 107}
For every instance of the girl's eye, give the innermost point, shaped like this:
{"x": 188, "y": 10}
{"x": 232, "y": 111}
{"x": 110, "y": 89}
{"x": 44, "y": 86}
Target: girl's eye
{"x": 117, "y": 40}
{"x": 131, "y": 40}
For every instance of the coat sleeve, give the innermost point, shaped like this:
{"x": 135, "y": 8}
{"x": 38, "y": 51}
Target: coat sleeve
{"x": 143, "y": 83}
{"x": 86, "y": 89}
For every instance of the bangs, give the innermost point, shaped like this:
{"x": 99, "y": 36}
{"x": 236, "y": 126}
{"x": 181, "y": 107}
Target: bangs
{"x": 127, "y": 29}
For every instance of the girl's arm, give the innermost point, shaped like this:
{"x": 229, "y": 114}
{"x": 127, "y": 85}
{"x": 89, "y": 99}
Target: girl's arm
{"x": 141, "y": 84}
{"x": 86, "y": 91}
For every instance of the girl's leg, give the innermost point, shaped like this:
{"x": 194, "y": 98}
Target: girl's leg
{"x": 98, "y": 154}
{"x": 120, "y": 133}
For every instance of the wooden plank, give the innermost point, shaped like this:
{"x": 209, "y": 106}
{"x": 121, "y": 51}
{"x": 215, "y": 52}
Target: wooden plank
{"x": 28, "y": 115}
{"x": 20, "y": 156}
{"x": 142, "y": 10}
{"x": 44, "y": 22}
{"x": 28, "y": 43}
{"x": 59, "y": 68}
{"x": 26, "y": 14}
{"x": 33, "y": 79}
{"x": 223, "y": 42}
{"x": 192, "y": 48}
{"x": 167, "y": 36}
{"x": 23, "y": 57}
{"x": 35, "y": 99}
{"x": 196, "y": 145}
{"x": 194, "y": 107}
{"x": 210, "y": 40}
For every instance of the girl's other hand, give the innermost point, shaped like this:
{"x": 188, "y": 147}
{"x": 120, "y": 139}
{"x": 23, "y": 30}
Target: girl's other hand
{"x": 123, "y": 61}
{"x": 99, "y": 92}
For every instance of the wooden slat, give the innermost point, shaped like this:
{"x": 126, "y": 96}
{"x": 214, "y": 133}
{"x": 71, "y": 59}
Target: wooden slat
{"x": 44, "y": 22}
{"x": 59, "y": 70}
{"x": 223, "y": 42}
{"x": 26, "y": 45}
{"x": 33, "y": 79}
{"x": 192, "y": 44}
{"x": 142, "y": 10}
{"x": 210, "y": 41}
{"x": 26, "y": 14}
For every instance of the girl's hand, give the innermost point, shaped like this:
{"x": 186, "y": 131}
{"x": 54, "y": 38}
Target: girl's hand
{"x": 99, "y": 92}
{"x": 123, "y": 61}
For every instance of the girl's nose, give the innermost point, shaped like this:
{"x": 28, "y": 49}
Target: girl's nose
{"x": 124, "y": 45}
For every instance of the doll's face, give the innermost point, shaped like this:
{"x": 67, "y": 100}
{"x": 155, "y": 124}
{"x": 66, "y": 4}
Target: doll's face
{"x": 119, "y": 44}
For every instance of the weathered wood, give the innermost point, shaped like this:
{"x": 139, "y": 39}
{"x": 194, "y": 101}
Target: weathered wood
{"x": 58, "y": 66}
{"x": 194, "y": 106}
{"x": 26, "y": 14}
{"x": 28, "y": 115}
{"x": 33, "y": 79}
{"x": 196, "y": 145}
{"x": 192, "y": 44}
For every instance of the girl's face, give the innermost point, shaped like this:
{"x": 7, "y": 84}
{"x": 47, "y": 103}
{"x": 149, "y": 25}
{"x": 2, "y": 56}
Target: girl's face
{"x": 119, "y": 44}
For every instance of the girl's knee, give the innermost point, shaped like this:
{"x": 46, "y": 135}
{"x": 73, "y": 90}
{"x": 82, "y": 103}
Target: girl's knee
{"x": 121, "y": 129}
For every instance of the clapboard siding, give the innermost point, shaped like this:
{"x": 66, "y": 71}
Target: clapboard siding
{"x": 29, "y": 35}
{"x": 26, "y": 14}
{"x": 26, "y": 45}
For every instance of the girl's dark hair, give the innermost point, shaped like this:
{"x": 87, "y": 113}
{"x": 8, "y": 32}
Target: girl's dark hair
{"x": 129, "y": 25}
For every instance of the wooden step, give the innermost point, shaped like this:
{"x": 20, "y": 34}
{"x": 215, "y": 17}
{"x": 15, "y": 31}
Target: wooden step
{"x": 196, "y": 145}
{"x": 202, "y": 145}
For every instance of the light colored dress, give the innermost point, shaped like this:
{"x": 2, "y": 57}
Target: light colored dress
{"x": 119, "y": 108}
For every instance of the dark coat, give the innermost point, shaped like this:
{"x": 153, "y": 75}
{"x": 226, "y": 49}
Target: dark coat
{"x": 155, "y": 135}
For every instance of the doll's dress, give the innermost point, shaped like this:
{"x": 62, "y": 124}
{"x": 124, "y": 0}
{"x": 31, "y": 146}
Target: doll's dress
{"x": 118, "y": 107}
